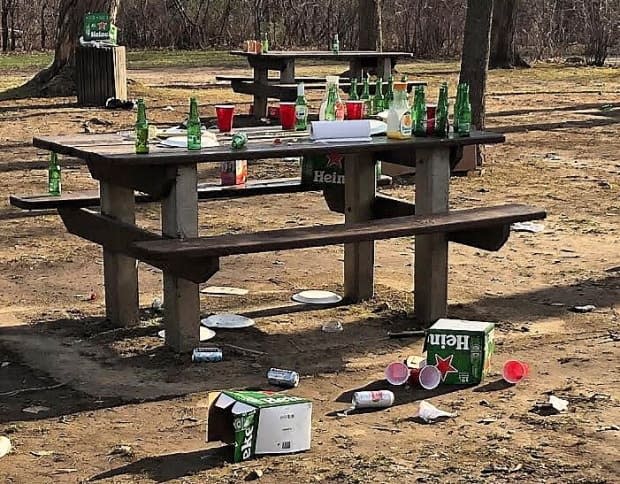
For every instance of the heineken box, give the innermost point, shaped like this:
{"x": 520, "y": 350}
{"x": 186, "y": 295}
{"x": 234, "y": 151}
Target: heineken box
{"x": 461, "y": 350}
{"x": 257, "y": 423}
{"x": 97, "y": 26}
{"x": 321, "y": 170}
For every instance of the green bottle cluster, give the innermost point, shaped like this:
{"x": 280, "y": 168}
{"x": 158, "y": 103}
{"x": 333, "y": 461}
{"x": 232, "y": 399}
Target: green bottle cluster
{"x": 194, "y": 127}
{"x": 53, "y": 176}
{"x": 142, "y": 129}
{"x": 419, "y": 111}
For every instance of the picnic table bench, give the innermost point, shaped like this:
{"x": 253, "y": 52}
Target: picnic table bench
{"x": 262, "y": 88}
{"x": 169, "y": 176}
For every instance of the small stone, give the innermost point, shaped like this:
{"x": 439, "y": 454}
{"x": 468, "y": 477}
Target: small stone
{"x": 254, "y": 475}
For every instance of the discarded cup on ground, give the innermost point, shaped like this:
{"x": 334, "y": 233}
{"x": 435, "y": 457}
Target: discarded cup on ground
{"x": 428, "y": 412}
{"x": 332, "y": 327}
{"x": 225, "y": 115}
{"x": 429, "y": 377}
{"x": 514, "y": 371}
{"x": 207, "y": 355}
{"x": 413, "y": 362}
{"x": 397, "y": 373}
{"x": 287, "y": 116}
{"x": 283, "y": 378}
{"x": 355, "y": 109}
{"x": 373, "y": 399}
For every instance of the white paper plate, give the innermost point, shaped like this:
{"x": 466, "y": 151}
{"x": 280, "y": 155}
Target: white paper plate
{"x": 224, "y": 291}
{"x": 227, "y": 321}
{"x": 317, "y": 297}
{"x": 176, "y": 131}
{"x": 377, "y": 127}
{"x": 205, "y": 334}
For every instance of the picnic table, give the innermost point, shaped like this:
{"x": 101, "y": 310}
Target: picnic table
{"x": 169, "y": 176}
{"x": 262, "y": 88}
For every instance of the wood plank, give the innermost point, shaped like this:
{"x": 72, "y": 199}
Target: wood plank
{"x": 304, "y": 237}
{"x": 260, "y": 99}
{"x": 119, "y": 237}
{"x": 323, "y": 55}
{"x": 431, "y": 251}
{"x": 359, "y": 196}
{"x": 120, "y": 272}
{"x": 179, "y": 214}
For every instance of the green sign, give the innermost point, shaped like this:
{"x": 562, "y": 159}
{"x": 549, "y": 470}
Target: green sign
{"x": 461, "y": 350}
{"x": 97, "y": 26}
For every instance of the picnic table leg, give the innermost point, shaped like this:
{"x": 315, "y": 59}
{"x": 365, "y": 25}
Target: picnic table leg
{"x": 287, "y": 74}
{"x": 181, "y": 297}
{"x": 359, "y": 258}
{"x": 384, "y": 68}
{"x": 355, "y": 69}
{"x": 432, "y": 180}
{"x": 260, "y": 101}
{"x": 119, "y": 271}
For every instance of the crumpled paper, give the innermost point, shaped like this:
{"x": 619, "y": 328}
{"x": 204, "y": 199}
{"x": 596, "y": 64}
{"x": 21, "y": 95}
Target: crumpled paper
{"x": 428, "y": 412}
{"x": 5, "y": 446}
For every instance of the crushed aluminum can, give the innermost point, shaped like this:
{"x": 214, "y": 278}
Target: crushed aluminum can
{"x": 373, "y": 399}
{"x": 208, "y": 355}
{"x": 239, "y": 140}
{"x": 283, "y": 378}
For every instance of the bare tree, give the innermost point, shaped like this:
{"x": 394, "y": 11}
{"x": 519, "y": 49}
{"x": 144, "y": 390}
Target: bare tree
{"x": 504, "y": 54}
{"x": 58, "y": 78}
{"x": 369, "y": 14}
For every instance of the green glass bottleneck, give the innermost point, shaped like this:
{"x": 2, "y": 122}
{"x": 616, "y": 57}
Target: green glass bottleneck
{"x": 457, "y": 107}
{"x": 366, "y": 96}
{"x": 465, "y": 113}
{"x": 194, "y": 128}
{"x": 353, "y": 96}
{"x": 336, "y": 45}
{"x": 142, "y": 129}
{"x": 378, "y": 100}
{"x": 54, "y": 184}
{"x": 264, "y": 43}
{"x": 330, "y": 108}
{"x": 419, "y": 110}
{"x": 441, "y": 116}
{"x": 301, "y": 109}
{"x": 389, "y": 94}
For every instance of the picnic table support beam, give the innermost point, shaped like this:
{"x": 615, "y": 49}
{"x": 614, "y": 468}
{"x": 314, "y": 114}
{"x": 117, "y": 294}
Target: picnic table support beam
{"x": 120, "y": 271}
{"x": 384, "y": 67}
{"x": 432, "y": 180}
{"x": 287, "y": 75}
{"x": 260, "y": 100}
{"x": 359, "y": 258}
{"x": 181, "y": 297}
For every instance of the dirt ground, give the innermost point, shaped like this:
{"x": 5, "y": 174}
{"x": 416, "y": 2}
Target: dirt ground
{"x": 105, "y": 386}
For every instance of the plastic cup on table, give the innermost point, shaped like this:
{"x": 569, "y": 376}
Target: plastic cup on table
{"x": 225, "y": 115}
{"x": 397, "y": 373}
{"x": 287, "y": 115}
{"x": 355, "y": 109}
{"x": 514, "y": 371}
{"x": 431, "y": 112}
{"x": 429, "y": 377}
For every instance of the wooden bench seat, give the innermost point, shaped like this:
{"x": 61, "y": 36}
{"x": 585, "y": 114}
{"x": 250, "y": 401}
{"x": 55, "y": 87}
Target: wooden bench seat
{"x": 304, "y": 79}
{"x": 461, "y": 223}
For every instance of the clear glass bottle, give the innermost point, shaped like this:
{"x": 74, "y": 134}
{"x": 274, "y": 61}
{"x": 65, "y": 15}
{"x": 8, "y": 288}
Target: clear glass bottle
{"x": 399, "y": 122}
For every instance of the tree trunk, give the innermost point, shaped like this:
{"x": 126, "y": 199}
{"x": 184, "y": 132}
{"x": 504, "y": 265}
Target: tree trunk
{"x": 58, "y": 78}
{"x": 503, "y": 51}
{"x": 369, "y": 24}
{"x": 475, "y": 57}
{"x": 4, "y": 25}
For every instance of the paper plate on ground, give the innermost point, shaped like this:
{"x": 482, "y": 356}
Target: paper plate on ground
{"x": 224, "y": 291}
{"x": 205, "y": 334}
{"x": 227, "y": 321}
{"x": 317, "y": 297}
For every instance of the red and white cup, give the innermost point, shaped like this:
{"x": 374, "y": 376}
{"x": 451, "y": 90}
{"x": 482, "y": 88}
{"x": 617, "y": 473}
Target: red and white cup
{"x": 514, "y": 371}
{"x": 429, "y": 377}
{"x": 397, "y": 373}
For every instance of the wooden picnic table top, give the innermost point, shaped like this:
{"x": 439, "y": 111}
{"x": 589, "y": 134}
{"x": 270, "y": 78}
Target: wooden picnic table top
{"x": 112, "y": 149}
{"x": 323, "y": 54}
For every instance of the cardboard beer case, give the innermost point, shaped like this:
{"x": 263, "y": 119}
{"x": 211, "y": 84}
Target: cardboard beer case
{"x": 460, "y": 349}
{"x": 255, "y": 423}
{"x": 97, "y": 26}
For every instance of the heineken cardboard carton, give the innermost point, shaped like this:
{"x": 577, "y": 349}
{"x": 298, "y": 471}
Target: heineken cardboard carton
{"x": 320, "y": 170}
{"x": 97, "y": 26}
{"x": 461, "y": 350}
{"x": 255, "y": 423}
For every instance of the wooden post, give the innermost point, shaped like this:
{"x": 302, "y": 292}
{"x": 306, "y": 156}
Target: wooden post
{"x": 359, "y": 258}
{"x": 384, "y": 67}
{"x": 260, "y": 100}
{"x": 181, "y": 297}
{"x": 287, "y": 74}
{"x": 100, "y": 74}
{"x": 432, "y": 180}
{"x": 119, "y": 271}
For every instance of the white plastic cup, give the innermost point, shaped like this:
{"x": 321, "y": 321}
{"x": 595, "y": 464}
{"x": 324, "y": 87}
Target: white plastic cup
{"x": 397, "y": 373}
{"x": 429, "y": 377}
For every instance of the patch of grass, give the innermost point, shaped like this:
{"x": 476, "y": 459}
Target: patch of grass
{"x": 32, "y": 60}
{"x": 149, "y": 59}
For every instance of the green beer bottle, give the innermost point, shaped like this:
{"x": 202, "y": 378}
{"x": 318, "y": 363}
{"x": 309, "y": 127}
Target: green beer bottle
{"x": 457, "y": 107}
{"x": 336, "y": 45}
{"x": 379, "y": 100}
{"x": 441, "y": 116}
{"x": 353, "y": 96}
{"x": 389, "y": 94}
{"x": 366, "y": 97}
{"x": 419, "y": 110}
{"x": 142, "y": 129}
{"x": 301, "y": 109}
{"x": 53, "y": 175}
{"x": 465, "y": 113}
{"x": 330, "y": 108}
{"x": 264, "y": 43}
{"x": 194, "y": 129}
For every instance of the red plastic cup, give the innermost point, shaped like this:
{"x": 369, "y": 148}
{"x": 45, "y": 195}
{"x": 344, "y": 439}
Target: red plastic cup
{"x": 397, "y": 373}
{"x": 287, "y": 115}
{"x": 429, "y": 377}
{"x": 225, "y": 114}
{"x": 431, "y": 112}
{"x": 514, "y": 371}
{"x": 355, "y": 109}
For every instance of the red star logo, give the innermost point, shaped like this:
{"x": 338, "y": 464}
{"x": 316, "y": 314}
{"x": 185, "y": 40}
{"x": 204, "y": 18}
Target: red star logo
{"x": 444, "y": 365}
{"x": 102, "y": 25}
{"x": 335, "y": 160}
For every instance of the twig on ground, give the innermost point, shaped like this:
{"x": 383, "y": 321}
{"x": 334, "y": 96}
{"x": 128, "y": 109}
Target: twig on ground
{"x": 33, "y": 389}
{"x": 244, "y": 350}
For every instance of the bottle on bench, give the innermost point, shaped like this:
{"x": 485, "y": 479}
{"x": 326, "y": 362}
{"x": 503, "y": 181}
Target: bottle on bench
{"x": 54, "y": 176}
